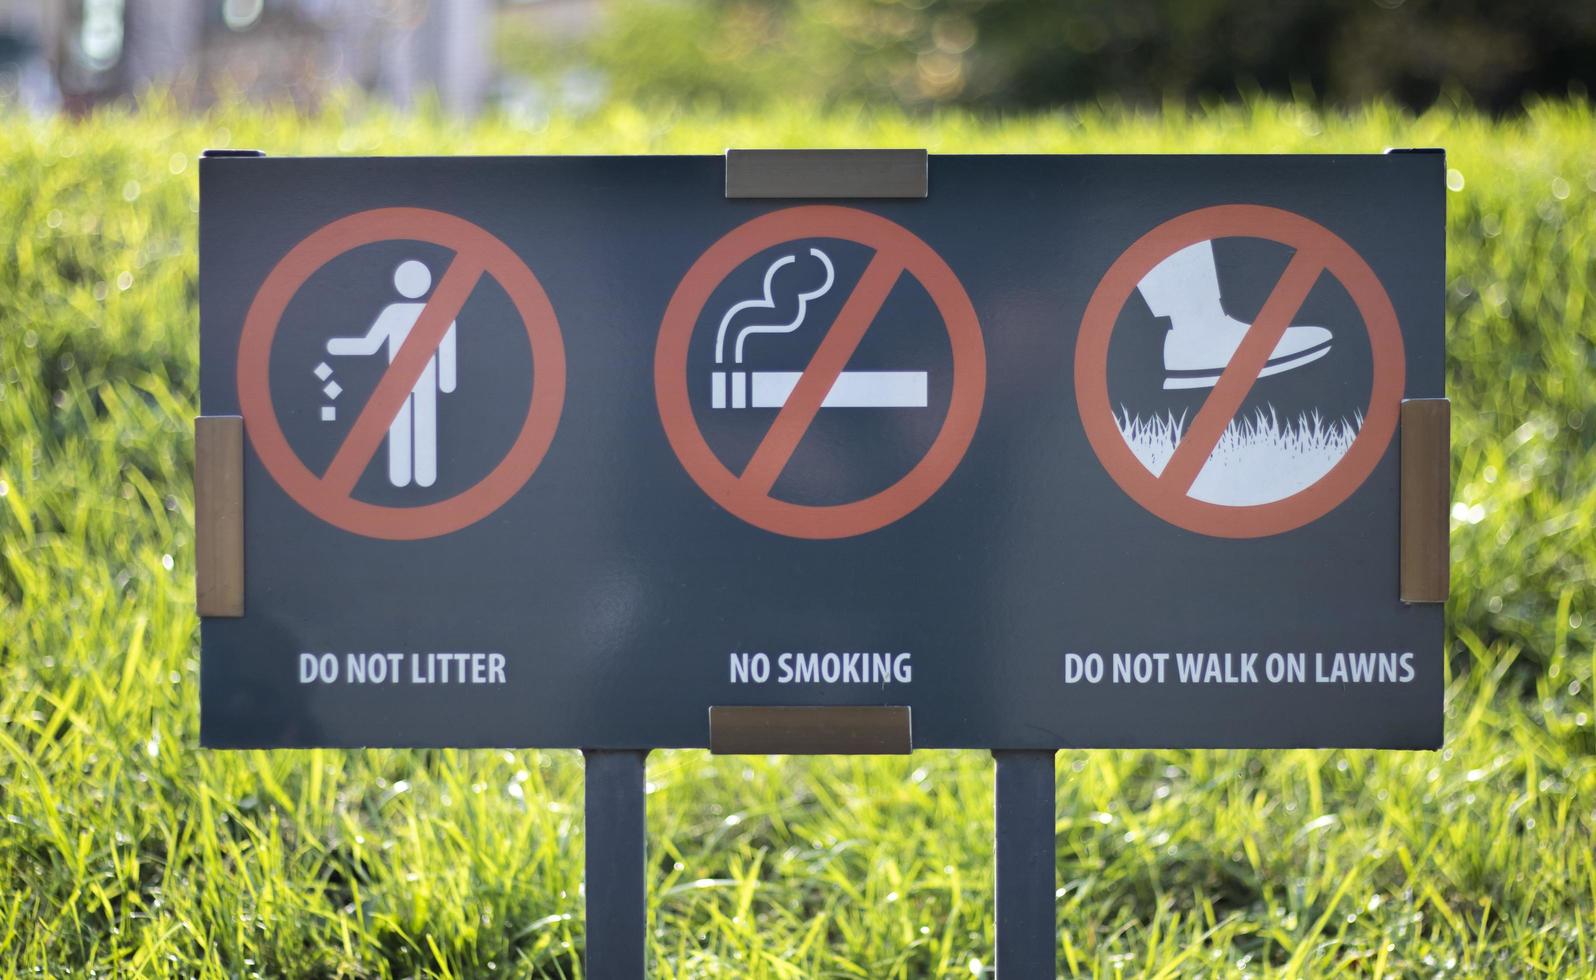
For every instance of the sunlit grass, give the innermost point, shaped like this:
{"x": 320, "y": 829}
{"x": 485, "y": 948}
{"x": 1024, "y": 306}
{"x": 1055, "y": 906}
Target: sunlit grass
{"x": 125, "y": 851}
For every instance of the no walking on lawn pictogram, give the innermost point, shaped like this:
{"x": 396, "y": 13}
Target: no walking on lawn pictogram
{"x": 823, "y": 382}
{"x": 1161, "y": 265}
{"x": 414, "y": 358}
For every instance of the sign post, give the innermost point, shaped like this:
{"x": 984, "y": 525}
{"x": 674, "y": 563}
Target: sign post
{"x": 615, "y": 890}
{"x": 1026, "y": 879}
{"x": 822, "y": 452}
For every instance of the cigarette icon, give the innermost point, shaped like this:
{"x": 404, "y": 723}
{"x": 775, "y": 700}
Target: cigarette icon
{"x": 852, "y": 389}
{"x": 771, "y": 389}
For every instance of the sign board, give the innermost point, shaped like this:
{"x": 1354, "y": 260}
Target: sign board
{"x": 1072, "y": 452}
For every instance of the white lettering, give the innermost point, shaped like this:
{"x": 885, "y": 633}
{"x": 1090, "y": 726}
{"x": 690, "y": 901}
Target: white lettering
{"x": 1139, "y": 668}
{"x": 1078, "y": 668}
{"x": 315, "y": 668}
{"x": 832, "y": 667}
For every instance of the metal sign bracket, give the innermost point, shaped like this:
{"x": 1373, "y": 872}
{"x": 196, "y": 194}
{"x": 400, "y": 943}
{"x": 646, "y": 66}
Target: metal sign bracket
{"x": 826, "y": 173}
{"x": 219, "y": 515}
{"x": 1426, "y": 499}
{"x": 810, "y": 730}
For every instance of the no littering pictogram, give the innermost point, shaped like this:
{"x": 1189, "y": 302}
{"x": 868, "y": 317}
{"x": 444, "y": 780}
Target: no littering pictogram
{"x": 1316, "y": 251}
{"x": 329, "y": 495}
{"x": 896, "y": 253}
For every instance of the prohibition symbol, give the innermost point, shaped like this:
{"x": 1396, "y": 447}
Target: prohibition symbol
{"x": 329, "y": 495}
{"x": 1169, "y": 493}
{"x": 748, "y": 494}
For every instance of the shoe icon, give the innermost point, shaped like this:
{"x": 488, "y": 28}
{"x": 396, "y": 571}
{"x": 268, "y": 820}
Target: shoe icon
{"x": 1203, "y": 338}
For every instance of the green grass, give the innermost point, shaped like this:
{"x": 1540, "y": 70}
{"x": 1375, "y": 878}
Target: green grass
{"x": 125, "y": 851}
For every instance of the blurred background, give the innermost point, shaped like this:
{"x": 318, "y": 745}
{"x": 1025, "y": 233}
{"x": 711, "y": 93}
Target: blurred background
{"x": 538, "y": 57}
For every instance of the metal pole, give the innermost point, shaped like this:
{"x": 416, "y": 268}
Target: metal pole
{"x": 1026, "y": 881}
{"x": 617, "y": 897}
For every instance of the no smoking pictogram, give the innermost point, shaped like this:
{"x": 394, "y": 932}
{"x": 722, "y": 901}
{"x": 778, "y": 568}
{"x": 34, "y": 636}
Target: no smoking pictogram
{"x": 748, "y": 494}
{"x": 1316, "y": 252}
{"x": 329, "y": 495}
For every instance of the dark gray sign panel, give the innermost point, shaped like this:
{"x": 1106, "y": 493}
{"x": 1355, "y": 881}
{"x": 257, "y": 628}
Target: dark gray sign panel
{"x": 1074, "y": 451}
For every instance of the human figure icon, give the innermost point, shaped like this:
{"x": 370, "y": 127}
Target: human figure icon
{"x": 413, "y": 435}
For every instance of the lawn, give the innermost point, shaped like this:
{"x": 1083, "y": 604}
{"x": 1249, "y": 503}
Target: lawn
{"x": 127, "y": 851}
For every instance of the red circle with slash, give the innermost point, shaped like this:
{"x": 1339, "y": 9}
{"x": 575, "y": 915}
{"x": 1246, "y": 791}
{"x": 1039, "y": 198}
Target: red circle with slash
{"x": 330, "y": 495}
{"x": 1317, "y": 250}
{"x": 748, "y": 494}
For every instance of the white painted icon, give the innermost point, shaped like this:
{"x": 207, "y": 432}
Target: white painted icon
{"x": 1262, "y": 456}
{"x": 770, "y": 389}
{"x": 329, "y": 413}
{"x": 1259, "y": 459}
{"x": 413, "y": 435}
{"x": 1203, "y": 337}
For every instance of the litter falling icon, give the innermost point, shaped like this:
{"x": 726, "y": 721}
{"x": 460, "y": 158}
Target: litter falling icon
{"x": 739, "y": 388}
{"x": 332, "y": 389}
